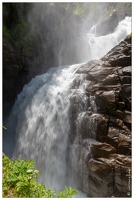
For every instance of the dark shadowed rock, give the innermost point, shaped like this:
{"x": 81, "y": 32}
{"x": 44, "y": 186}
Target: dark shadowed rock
{"x": 15, "y": 74}
{"x": 122, "y": 61}
{"x": 107, "y": 25}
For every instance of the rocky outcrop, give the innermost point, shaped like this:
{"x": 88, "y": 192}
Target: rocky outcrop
{"x": 106, "y": 124}
{"x": 107, "y": 23}
{"x": 16, "y": 67}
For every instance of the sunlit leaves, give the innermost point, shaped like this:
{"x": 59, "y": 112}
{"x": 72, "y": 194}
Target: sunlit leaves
{"x": 21, "y": 180}
{"x": 67, "y": 193}
{"x": 4, "y": 127}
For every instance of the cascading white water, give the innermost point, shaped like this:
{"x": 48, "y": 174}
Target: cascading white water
{"x": 40, "y": 116}
{"x": 42, "y": 126}
{"x": 101, "y": 45}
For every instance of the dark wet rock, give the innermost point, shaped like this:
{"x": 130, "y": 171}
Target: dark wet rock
{"x": 107, "y": 25}
{"x": 126, "y": 79}
{"x": 15, "y": 74}
{"x": 122, "y": 61}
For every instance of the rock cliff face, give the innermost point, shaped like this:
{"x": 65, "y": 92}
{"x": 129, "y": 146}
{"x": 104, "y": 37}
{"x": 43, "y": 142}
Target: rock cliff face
{"x": 16, "y": 66}
{"x": 106, "y": 162}
{"x": 107, "y": 24}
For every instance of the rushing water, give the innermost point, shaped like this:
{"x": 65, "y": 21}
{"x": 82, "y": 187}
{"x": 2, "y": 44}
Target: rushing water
{"x": 40, "y": 115}
{"x": 101, "y": 45}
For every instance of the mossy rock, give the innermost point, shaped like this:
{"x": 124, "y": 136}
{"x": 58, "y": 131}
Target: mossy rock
{"x": 129, "y": 38}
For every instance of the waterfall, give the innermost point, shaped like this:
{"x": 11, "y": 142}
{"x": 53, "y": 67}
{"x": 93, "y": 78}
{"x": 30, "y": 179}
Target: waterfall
{"x": 99, "y": 46}
{"x": 41, "y": 121}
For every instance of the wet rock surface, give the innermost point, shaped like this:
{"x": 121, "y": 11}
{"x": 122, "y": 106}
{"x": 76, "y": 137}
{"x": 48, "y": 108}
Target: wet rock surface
{"x": 16, "y": 67}
{"x": 107, "y": 120}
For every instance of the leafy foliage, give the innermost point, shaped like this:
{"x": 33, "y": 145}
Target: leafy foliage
{"x": 16, "y": 26}
{"x": 4, "y": 127}
{"x": 20, "y": 180}
{"x": 67, "y": 193}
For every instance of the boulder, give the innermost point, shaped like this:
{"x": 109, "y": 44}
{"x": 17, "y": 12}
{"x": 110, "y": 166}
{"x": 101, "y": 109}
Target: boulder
{"x": 111, "y": 176}
{"x": 111, "y": 79}
{"x": 99, "y": 149}
{"x": 100, "y": 174}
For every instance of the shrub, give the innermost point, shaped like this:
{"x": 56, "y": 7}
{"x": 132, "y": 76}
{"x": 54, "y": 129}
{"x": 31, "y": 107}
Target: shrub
{"x": 20, "y": 180}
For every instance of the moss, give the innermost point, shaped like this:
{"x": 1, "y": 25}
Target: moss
{"x": 123, "y": 5}
{"x": 129, "y": 36}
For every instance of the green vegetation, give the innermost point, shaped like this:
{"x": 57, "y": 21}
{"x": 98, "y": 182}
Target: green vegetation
{"x": 16, "y": 26}
{"x": 117, "y": 6}
{"x": 20, "y": 36}
{"x": 4, "y": 127}
{"x": 22, "y": 31}
{"x": 111, "y": 110}
{"x": 67, "y": 193}
{"x": 21, "y": 180}
{"x": 129, "y": 36}
{"x": 124, "y": 5}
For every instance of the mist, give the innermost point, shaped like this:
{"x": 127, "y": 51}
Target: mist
{"x": 60, "y": 32}
{"x": 60, "y": 35}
